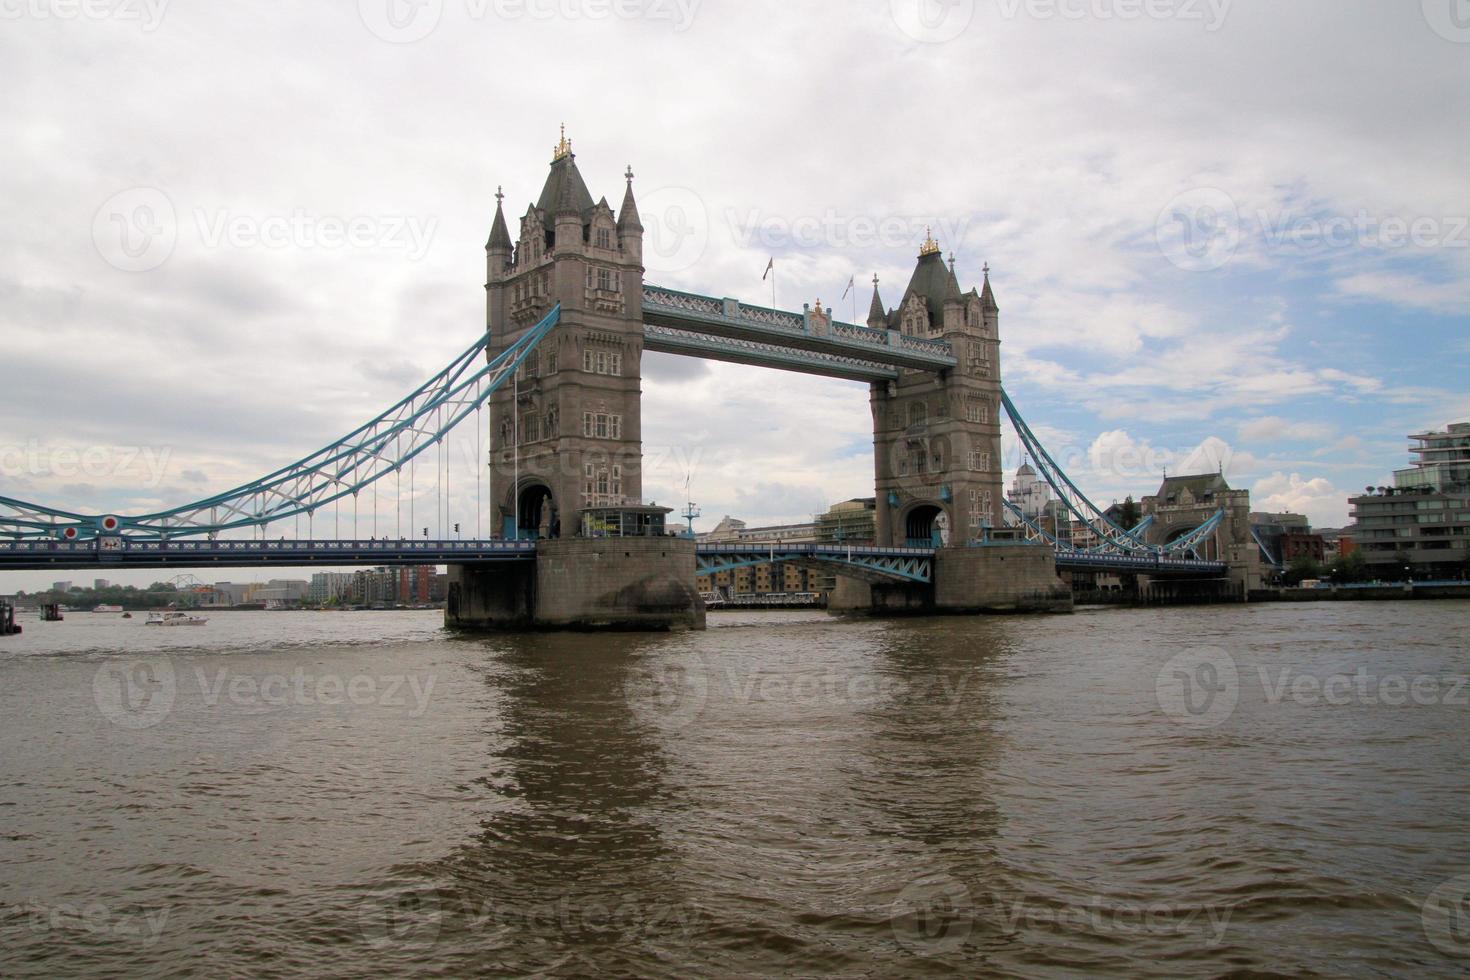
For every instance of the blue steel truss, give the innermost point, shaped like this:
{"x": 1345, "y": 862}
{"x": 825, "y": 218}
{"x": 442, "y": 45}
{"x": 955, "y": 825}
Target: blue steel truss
{"x": 1184, "y": 545}
{"x": 873, "y": 564}
{"x": 129, "y": 552}
{"x": 1189, "y": 543}
{"x": 726, "y": 329}
{"x": 903, "y": 564}
{"x": 1266, "y": 552}
{"x": 357, "y": 460}
{"x": 1109, "y": 537}
{"x": 738, "y": 350}
{"x": 1152, "y": 565}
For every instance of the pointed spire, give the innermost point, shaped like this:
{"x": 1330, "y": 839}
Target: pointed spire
{"x": 952, "y": 292}
{"x": 628, "y": 215}
{"x": 987, "y": 298}
{"x": 564, "y": 189}
{"x": 877, "y": 319}
{"x": 573, "y": 199}
{"x": 499, "y": 233}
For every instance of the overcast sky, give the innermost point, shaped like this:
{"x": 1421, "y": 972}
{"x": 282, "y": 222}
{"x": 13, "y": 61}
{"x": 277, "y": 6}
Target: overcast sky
{"x": 1221, "y": 233}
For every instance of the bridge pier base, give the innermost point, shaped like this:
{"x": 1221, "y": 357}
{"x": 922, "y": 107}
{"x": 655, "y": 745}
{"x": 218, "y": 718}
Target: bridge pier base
{"x": 491, "y": 595}
{"x": 1002, "y": 578}
{"x": 644, "y": 584}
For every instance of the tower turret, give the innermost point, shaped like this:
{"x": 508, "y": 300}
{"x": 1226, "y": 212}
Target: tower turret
{"x": 498, "y": 249}
{"x": 630, "y": 226}
{"x": 877, "y": 319}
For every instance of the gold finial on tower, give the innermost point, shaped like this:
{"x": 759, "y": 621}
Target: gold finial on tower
{"x": 930, "y": 246}
{"x": 564, "y": 148}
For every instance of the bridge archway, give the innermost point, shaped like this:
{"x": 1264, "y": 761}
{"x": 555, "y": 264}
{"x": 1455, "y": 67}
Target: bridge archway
{"x": 926, "y": 525}
{"x": 1206, "y": 547}
{"x": 536, "y": 513}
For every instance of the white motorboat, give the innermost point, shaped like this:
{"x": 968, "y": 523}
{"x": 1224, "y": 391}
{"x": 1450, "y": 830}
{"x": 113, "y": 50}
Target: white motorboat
{"x": 175, "y": 619}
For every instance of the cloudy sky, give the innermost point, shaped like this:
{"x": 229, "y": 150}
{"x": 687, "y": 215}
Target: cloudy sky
{"x": 1221, "y": 233}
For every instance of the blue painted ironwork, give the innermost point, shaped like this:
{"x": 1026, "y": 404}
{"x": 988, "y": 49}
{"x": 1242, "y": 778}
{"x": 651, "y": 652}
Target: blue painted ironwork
{"x": 1266, "y": 553}
{"x": 706, "y": 326}
{"x": 675, "y": 340}
{"x": 342, "y": 469}
{"x": 1189, "y": 543}
{"x": 128, "y": 552}
{"x": 905, "y": 564}
{"x": 1109, "y": 535}
{"x": 1155, "y": 565}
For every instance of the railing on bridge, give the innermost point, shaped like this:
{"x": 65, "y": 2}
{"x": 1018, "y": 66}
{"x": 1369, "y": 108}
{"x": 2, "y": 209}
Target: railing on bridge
{"x": 741, "y": 350}
{"x": 687, "y": 323}
{"x": 1154, "y": 565}
{"x": 118, "y": 552}
{"x": 904, "y": 564}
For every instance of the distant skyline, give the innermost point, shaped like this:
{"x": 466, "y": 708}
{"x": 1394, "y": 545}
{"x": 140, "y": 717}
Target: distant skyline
{"x": 1226, "y": 235}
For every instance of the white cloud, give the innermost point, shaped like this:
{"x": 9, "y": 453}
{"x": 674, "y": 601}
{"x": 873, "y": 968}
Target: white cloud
{"x": 1316, "y": 497}
{"x": 1271, "y": 428}
{"x": 1412, "y": 291}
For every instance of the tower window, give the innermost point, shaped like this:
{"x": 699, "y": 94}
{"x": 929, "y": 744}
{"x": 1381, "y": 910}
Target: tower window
{"x": 600, "y": 425}
{"x": 608, "y": 362}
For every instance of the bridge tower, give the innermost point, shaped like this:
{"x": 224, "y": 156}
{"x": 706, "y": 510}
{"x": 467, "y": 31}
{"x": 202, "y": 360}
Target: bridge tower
{"x": 937, "y": 461}
{"x": 936, "y": 437}
{"x": 566, "y": 436}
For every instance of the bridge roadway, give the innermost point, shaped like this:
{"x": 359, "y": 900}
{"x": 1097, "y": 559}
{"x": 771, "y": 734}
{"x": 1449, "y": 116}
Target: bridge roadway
{"x": 725, "y": 329}
{"x": 905, "y": 564}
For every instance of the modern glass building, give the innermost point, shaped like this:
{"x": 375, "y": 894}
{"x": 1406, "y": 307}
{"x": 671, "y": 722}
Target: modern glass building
{"x": 1420, "y": 526}
{"x": 1442, "y": 460}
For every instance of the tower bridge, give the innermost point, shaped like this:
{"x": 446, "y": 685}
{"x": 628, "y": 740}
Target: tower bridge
{"x": 555, "y": 382}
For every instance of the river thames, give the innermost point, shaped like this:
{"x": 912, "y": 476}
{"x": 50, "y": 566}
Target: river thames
{"x": 1188, "y": 792}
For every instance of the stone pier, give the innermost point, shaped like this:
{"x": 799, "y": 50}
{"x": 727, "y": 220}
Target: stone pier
{"x": 632, "y": 583}
{"x": 1005, "y": 577}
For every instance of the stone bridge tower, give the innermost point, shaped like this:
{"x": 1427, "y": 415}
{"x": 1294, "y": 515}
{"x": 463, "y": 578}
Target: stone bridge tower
{"x": 567, "y": 434}
{"x": 1183, "y": 503}
{"x": 565, "y": 438}
{"x": 936, "y": 437}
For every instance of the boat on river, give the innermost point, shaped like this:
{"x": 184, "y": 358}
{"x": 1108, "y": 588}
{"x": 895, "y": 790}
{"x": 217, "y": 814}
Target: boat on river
{"x": 174, "y": 619}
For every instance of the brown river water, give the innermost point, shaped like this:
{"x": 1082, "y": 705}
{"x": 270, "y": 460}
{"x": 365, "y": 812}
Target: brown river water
{"x": 1277, "y": 789}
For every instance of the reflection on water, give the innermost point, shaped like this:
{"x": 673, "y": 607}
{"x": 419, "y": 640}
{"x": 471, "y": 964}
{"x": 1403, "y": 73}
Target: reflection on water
{"x": 1183, "y": 792}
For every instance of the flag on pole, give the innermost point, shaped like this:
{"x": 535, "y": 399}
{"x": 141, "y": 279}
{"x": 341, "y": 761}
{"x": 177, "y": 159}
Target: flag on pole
{"x": 770, "y": 267}
{"x": 850, "y": 284}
